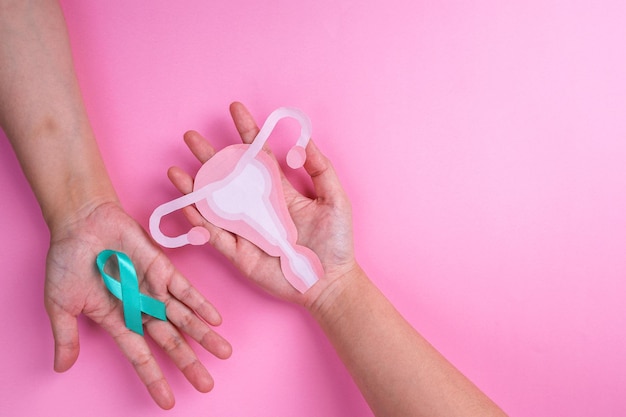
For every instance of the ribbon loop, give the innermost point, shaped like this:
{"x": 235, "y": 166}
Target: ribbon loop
{"x": 127, "y": 291}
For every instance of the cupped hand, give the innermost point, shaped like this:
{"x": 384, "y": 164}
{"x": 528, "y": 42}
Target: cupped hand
{"x": 324, "y": 222}
{"x": 74, "y": 286}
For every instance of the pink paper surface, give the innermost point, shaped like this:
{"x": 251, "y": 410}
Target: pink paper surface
{"x": 239, "y": 189}
{"x": 483, "y": 145}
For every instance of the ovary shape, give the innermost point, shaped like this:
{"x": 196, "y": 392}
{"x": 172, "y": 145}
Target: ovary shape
{"x": 239, "y": 189}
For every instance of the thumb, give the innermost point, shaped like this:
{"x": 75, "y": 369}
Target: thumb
{"x": 65, "y": 333}
{"x": 322, "y": 173}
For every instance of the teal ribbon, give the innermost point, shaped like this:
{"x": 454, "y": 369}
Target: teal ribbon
{"x": 127, "y": 291}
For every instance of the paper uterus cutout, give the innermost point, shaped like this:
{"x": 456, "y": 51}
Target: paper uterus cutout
{"x": 239, "y": 189}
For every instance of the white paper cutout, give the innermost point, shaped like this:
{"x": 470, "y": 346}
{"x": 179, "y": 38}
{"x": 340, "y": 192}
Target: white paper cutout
{"x": 239, "y": 189}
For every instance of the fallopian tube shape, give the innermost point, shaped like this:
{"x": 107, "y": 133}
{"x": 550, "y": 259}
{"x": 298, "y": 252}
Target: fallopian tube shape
{"x": 239, "y": 189}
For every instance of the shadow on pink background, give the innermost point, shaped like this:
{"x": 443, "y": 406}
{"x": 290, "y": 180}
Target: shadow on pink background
{"x": 483, "y": 145}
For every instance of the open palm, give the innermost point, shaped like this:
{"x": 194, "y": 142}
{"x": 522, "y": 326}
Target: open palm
{"x": 74, "y": 286}
{"x": 324, "y": 223}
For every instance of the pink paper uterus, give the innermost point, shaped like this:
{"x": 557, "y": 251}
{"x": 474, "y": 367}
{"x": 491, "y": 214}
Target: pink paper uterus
{"x": 239, "y": 189}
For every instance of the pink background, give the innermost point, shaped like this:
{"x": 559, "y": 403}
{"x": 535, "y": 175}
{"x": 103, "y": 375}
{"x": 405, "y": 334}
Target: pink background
{"x": 483, "y": 146}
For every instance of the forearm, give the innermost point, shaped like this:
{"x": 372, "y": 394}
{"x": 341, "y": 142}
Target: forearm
{"x": 42, "y": 113}
{"x": 396, "y": 369}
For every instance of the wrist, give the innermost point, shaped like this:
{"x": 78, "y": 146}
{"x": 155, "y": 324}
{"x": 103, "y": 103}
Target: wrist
{"x": 76, "y": 193}
{"x": 62, "y": 216}
{"x": 328, "y": 296}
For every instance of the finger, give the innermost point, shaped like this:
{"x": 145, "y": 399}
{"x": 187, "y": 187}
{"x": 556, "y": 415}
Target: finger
{"x": 186, "y": 321}
{"x": 179, "y": 351}
{"x": 199, "y": 146}
{"x": 323, "y": 175}
{"x": 184, "y": 292}
{"x": 135, "y": 348}
{"x": 65, "y": 333}
{"x": 244, "y": 122}
{"x": 184, "y": 183}
{"x": 181, "y": 180}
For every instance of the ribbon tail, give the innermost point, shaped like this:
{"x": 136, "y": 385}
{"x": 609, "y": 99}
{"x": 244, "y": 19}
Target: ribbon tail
{"x": 152, "y": 307}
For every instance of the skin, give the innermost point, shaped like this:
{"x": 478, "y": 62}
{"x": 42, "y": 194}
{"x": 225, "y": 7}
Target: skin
{"x": 398, "y": 372}
{"x": 41, "y": 111}
{"x": 42, "y": 114}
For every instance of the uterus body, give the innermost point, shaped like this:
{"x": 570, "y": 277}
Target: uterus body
{"x": 239, "y": 189}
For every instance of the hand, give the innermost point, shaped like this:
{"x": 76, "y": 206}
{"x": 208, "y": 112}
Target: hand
{"x": 74, "y": 286}
{"x": 324, "y": 223}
